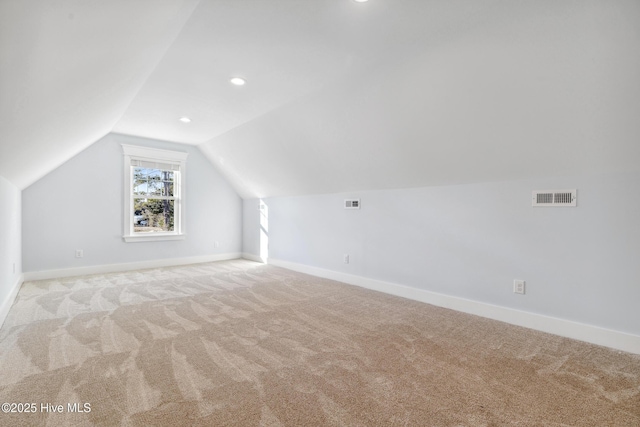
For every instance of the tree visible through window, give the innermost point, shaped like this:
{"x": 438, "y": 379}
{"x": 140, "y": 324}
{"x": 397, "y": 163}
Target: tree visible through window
{"x": 153, "y": 200}
{"x": 154, "y": 194}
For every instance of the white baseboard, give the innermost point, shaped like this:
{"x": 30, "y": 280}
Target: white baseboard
{"x": 114, "y": 268}
{"x": 252, "y": 257}
{"x": 9, "y": 299}
{"x": 565, "y": 328}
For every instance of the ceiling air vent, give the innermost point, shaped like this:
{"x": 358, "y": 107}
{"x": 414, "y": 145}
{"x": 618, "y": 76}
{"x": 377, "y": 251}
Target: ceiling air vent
{"x": 352, "y": 204}
{"x": 555, "y": 198}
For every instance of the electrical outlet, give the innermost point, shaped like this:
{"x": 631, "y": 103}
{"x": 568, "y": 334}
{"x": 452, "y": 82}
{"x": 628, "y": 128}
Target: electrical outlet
{"x": 216, "y": 244}
{"x": 79, "y": 253}
{"x": 518, "y": 286}
{"x": 346, "y": 258}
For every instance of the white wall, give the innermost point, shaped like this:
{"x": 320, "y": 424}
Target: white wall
{"x": 251, "y": 228}
{"x": 10, "y": 243}
{"x": 471, "y": 241}
{"x": 80, "y": 206}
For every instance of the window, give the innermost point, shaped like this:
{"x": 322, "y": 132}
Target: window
{"x": 153, "y": 194}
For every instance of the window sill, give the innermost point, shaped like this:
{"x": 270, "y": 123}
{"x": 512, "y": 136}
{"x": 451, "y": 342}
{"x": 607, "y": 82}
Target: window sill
{"x": 153, "y": 237}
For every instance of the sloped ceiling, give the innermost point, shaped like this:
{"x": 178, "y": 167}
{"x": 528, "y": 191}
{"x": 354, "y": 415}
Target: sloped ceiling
{"x": 68, "y": 71}
{"x": 340, "y": 95}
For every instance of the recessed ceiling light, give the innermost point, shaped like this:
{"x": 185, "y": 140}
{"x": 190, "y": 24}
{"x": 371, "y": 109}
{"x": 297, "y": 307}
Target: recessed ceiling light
{"x": 185, "y": 119}
{"x": 238, "y": 81}
{"x": 360, "y": 1}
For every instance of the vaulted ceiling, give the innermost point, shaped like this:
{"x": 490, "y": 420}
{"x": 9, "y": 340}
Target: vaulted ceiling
{"x": 339, "y": 95}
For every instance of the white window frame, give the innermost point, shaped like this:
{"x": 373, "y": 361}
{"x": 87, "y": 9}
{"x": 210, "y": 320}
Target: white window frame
{"x": 176, "y": 158}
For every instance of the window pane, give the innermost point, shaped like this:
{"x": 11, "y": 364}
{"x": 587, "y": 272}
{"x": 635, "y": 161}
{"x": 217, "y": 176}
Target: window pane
{"x": 153, "y": 215}
{"x": 154, "y": 174}
{"x": 139, "y": 181}
{"x": 140, "y": 189}
{"x": 155, "y": 187}
{"x": 153, "y": 182}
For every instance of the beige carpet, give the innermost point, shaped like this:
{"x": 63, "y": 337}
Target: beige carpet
{"x": 238, "y": 343}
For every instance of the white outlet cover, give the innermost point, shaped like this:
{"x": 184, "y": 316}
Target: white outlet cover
{"x": 519, "y": 286}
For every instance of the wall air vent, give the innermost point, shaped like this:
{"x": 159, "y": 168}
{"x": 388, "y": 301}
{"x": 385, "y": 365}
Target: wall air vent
{"x": 352, "y": 204}
{"x": 554, "y": 198}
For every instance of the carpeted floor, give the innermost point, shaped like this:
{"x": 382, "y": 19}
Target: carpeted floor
{"x": 237, "y": 343}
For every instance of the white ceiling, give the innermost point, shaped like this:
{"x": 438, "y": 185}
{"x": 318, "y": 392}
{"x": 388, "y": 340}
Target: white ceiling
{"x": 284, "y": 48}
{"x": 340, "y": 95}
{"x": 68, "y": 71}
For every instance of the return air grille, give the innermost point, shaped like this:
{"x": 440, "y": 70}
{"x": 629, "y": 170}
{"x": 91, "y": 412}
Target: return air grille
{"x": 555, "y": 198}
